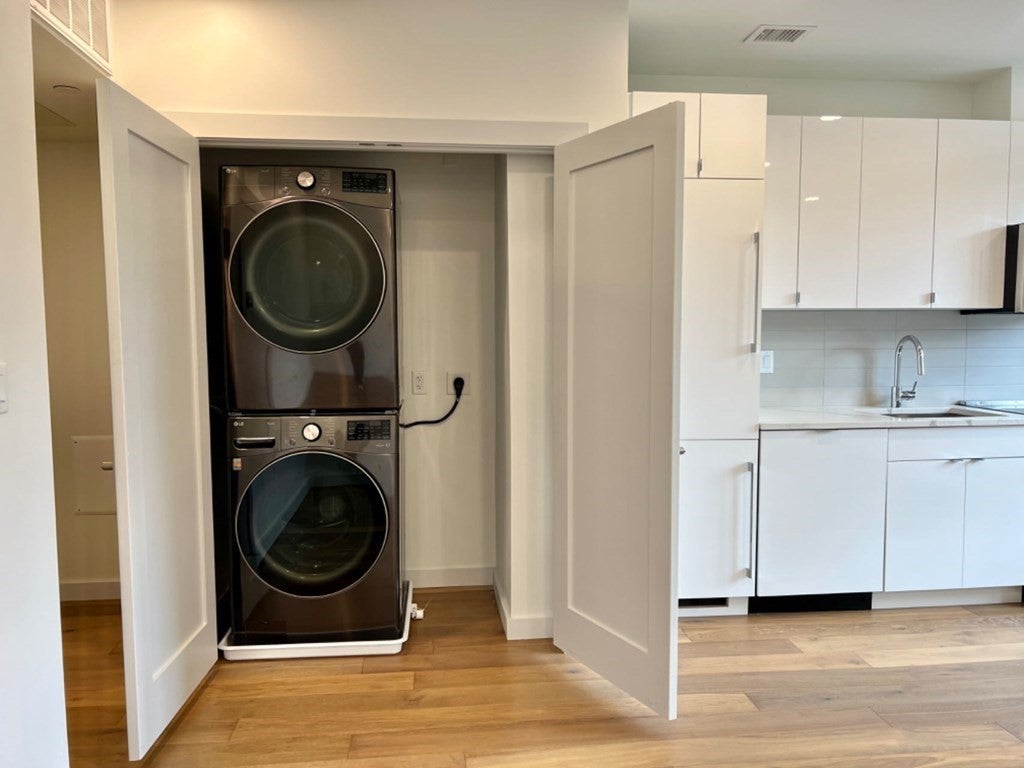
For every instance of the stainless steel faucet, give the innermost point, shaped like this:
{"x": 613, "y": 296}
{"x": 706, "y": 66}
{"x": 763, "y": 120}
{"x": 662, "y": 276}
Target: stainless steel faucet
{"x": 896, "y": 394}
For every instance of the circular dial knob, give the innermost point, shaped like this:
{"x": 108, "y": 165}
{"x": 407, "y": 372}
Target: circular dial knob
{"x": 306, "y": 180}
{"x": 311, "y": 432}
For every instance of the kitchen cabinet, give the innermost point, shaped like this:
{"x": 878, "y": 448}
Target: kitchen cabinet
{"x": 830, "y": 165}
{"x": 720, "y": 331}
{"x": 897, "y": 213}
{"x": 821, "y": 512}
{"x": 993, "y": 536}
{"x": 723, "y": 134}
{"x": 717, "y": 518}
{"x": 971, "y": 194}
{"x": 954, "y": 515}
{"x": 781, "y": 212}
{"x": 924, "y": 525}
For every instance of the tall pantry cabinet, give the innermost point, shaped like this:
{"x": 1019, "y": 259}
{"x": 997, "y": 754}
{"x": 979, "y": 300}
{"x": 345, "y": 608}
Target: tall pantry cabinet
{"x": 723, "y": 207}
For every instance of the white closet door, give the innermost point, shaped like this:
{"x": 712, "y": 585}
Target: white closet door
{"x": 615, "y": 331}
{"x": 971, "y": 191}
{"x": 897, "y": 213}
{"x": 149, "y": 171}
{"x": 781, "y": 212}
{"x": 645, "y": 101}
{"x": 829, "y": 212}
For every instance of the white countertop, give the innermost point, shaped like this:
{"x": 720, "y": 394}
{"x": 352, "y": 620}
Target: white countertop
{"x": 879, "y": 418}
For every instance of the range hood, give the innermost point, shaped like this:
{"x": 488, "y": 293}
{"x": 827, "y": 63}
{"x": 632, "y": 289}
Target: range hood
{"x": 1013, "y": 279}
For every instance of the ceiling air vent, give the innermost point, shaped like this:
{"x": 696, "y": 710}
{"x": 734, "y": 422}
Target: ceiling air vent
{"x": 774, "y": 33}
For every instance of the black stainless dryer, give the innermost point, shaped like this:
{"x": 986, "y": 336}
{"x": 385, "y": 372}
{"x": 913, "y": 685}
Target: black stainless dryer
{"x": 317, "y": 555}
{"x": 309, "y": 259}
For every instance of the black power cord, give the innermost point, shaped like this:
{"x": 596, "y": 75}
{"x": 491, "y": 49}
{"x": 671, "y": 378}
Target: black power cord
{"x": 458, "y": 383}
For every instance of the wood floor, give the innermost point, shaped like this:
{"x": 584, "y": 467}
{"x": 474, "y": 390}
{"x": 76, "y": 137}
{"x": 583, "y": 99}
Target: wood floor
{"x": 900, "y": 689}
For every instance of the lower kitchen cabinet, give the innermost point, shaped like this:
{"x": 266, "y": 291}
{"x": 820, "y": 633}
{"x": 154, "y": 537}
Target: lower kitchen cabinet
{"x": 993, "y": 537}
{"x": 717, "y": 518}
{"x": 821, "y": 519}
{"x": 924, "y": 525}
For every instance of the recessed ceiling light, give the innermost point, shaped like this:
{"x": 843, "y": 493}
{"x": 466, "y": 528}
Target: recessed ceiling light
{"x": 69, "y": 89}
{"x": 830, "y": 118}
{"x": 813, "y": 199}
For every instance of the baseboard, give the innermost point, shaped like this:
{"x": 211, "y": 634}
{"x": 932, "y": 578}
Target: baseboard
{"x": 735, "y": 606}
{"x": 938, "y": 598}
{"x": 78, "y": 590}
{"x": 450, "y": 577}
{"x": 520, "y": 627}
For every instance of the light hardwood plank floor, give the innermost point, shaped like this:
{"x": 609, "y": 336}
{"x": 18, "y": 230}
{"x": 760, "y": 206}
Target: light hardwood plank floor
{"x": 900, "y": 689}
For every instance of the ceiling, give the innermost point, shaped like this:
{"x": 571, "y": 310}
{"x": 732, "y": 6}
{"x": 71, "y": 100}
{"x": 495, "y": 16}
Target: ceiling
{"x": 936, "y": 40}
{"x": 62, "y": 115}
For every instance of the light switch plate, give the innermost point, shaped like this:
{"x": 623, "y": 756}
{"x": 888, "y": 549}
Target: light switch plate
{"x": 767, "y": 361}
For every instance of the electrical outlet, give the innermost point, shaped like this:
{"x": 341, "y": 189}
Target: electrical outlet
{"x": 767, "y": 361}
{"x": 466, "y": 389}
{"x": 419, "y": 382}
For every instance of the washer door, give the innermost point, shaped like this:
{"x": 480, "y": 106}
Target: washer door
{"x": 311, "y": 524}
{"x": 307, "y": 276}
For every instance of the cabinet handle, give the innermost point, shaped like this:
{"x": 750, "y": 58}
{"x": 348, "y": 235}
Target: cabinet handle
{"x": 757, "y": 292}
{"x": 682, "y": 451}
{"x": 749, "y": 570}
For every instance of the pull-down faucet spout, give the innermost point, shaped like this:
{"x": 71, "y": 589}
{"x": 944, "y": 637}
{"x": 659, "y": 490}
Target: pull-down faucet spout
{"x": 896, "y": 394}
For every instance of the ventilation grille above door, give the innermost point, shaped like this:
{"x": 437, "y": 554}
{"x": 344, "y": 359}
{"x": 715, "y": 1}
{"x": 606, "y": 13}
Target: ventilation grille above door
{"x": 768, "y": 33}
{"x": 84, "y": 22}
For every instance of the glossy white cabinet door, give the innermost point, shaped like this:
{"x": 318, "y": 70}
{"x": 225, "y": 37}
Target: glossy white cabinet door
{"x": 645, "y": 101}
{"x": 924, "y": 525}
{"x": 1015, "y": 209}
{"x": 821, "y": 512}
{"x": 781, "y": 212}
{"x": 994, "y": 523}
{"x": 970, "y": 213}
{"x": 897, "y": 213}
{"x": 717, "y": 518}
{"x": 829, "y": 212}
{"x": 732, "y": 135}
{"x": 720, "y": 371}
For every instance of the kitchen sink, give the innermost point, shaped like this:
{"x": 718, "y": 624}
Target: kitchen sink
{"x": 949, "y": 413}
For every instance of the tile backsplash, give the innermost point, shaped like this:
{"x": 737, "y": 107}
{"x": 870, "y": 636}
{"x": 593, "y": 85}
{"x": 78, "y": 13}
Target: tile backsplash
{"x": 846, "y": 357}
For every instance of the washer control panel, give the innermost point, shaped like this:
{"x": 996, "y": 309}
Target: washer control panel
{"x": 251, "y": 184}
{"x": 255, "y": 434}
{"x": 363, "y": 430}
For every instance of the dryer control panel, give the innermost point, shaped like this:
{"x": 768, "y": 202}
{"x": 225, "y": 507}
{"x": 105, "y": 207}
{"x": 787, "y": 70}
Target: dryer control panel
{"x": 253, "y": 434}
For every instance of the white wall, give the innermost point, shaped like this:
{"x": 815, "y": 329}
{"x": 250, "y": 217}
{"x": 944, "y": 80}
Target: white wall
{"x": 79, "y": 361}
{"x": 845, "y": 358}
{"x": 527, "y": 608}
{"x": 524, "y": 60}
{"x": 32, "y": 720}
{"x": 792, "y": 96}
{"x": 446, "y": 250}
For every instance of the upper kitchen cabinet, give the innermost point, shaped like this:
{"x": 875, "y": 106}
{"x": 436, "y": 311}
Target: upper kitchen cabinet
{"x": 720, "y": 331}
{"x": 781, "y": 212}
{"x": 724, "y": 133}
{"x": 971, "y": 192}
{"x": 897, "y": 213}
{"x": 1015, "y": 208}
{"x": 829, "y": 211}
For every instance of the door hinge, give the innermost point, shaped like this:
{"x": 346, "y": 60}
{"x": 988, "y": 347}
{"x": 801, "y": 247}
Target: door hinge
{"x": 798, "y": 298}
{"x": 931, "y": 297}
{"x": 700, "y": 165}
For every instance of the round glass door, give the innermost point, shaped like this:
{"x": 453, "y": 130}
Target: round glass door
{"x": 307, "y": 277}
{"x": 311, "y": 524}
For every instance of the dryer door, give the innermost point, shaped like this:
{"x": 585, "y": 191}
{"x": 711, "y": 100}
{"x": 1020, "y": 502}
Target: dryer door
{"x": 307, "y": 276}
{"x": 311, "y": 524}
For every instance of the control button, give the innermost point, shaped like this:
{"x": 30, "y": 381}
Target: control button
{"x": 325, "y": 190}
{"x": 306, "y": 180}
{"x": 291, "y": 441}
{"x": 311, "y": 432}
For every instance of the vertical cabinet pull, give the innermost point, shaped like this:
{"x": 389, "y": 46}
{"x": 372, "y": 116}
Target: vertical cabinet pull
{"x": 749, "y": 569}
{"x": 757, "y": 292}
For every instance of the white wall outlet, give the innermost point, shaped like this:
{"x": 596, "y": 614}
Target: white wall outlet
{"x": 466, "y": 389}
{"x": 767, "y": 361}
{"x": 419, "y": 382}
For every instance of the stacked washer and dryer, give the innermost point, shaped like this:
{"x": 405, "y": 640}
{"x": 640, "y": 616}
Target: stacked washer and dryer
{"x": 309, "y": 259}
